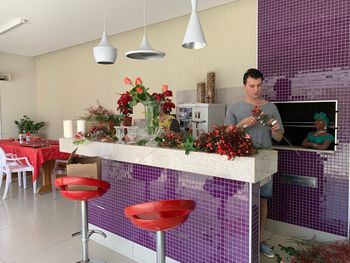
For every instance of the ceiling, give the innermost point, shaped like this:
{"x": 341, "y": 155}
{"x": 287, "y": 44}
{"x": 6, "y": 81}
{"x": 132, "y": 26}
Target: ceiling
{"x": 57, "y": 24}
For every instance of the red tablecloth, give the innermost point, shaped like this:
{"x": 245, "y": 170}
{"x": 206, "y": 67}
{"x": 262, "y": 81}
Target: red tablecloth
{"x": 36, "y": 156}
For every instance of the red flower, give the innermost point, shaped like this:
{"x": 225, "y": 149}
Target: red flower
{"x": 127, "y": 81}
{"x": 167, "y": 106}
{"x": 226, "y": 140}
{"x": 138, "y": 81}
{"x": 139, "y": 90}
{"x": 168, "y": 93}
{"x": 123, "y": 103}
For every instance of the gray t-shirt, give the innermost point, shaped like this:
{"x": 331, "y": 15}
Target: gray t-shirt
{"x": 260, "y": 134}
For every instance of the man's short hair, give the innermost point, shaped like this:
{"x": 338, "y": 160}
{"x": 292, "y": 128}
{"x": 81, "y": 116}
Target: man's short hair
{"x": 253, "y": 73}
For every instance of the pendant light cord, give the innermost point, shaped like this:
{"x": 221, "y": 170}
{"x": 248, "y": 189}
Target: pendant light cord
{"x": 104, "y": 15}
{"x": 144, "y": 17}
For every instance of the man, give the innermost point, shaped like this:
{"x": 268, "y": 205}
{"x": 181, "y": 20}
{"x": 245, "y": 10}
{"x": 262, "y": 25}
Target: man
{"x": 241, "y": 115}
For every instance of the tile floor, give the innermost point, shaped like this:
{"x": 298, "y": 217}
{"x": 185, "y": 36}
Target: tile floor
{"x": 24, "y": 218}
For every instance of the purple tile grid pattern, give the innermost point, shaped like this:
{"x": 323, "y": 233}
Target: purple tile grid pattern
{"x": 304, "y": 52}
{"x": 216, "y": 232}
{"x": 255, "y": 222}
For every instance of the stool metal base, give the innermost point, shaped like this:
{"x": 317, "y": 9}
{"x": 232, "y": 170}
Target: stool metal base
{"x": 93, "y": 260}
{"x": 85, "y": 236}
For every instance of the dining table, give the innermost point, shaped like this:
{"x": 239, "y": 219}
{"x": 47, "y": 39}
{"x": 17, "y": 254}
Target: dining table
{"x": 41, "y": 155}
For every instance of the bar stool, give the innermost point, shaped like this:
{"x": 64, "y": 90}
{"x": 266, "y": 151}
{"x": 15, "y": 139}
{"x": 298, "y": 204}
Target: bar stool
{"x": 64, "y": 183}
{"x": 160, "y": 216}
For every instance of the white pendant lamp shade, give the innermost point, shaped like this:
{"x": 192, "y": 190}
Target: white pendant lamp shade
{"x": 145, "y": 51}
{"x": 104, "y": 53}
{"x": 194, "y": 37}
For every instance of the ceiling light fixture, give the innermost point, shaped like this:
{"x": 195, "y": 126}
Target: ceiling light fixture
{"x": 194, "y": 37}
{"x": 104, "y": 52}
{"x": 12, "y": 24}
{"x": 145, "y": 51}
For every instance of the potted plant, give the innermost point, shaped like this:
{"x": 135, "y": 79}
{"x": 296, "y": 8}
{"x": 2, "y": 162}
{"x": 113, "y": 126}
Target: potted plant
{"x": 25, "y": 125}
{"x": 103, "y": 117}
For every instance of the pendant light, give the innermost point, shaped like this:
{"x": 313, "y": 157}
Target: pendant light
{"x": 194, "y": 37}
{"x": 145, "y": 51}
{"x": 104, "y": 52}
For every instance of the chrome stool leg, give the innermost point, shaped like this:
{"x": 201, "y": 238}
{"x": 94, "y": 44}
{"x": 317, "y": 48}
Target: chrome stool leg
{"x": 160, "y": 247}
{"x": 85, "y": 235}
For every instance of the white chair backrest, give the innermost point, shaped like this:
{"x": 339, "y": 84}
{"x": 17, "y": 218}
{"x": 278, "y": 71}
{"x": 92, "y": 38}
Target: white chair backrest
{"x": 2, "y": 157}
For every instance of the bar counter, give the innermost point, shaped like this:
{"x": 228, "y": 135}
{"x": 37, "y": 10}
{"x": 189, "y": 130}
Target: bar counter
{"x": 224, "y": 228}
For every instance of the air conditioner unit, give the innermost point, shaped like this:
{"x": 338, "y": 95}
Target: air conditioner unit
{"x": 5, "y": 77}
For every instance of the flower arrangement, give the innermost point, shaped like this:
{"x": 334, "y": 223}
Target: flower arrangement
{"x": 140, "y": 94}
{"x": 102, "y": 125}
{"x": 101, "y": 114}
{"x": 225, "y": 140}
{"x": 261, "y": 117}
{"x": 79, "y": 138}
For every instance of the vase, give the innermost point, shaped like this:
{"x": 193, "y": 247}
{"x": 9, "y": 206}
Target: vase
{"x": 127, "y": 121}
{"x": 152, "y": 109}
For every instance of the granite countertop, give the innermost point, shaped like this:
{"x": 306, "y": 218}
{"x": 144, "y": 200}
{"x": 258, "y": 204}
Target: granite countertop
{"x": 250, "y": 169}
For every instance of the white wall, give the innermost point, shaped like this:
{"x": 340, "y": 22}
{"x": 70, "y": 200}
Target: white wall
{"x": 18, "y": 96}
{"x": 68, "y": 81}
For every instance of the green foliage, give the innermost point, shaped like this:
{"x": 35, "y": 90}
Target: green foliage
{"x": 142, "y": 142}
{"x": 188, "y": 143}
{"x": 25, "y": 124}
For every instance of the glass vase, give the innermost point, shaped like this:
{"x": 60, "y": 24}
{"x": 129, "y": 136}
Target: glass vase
{"x": 152, "y": 110}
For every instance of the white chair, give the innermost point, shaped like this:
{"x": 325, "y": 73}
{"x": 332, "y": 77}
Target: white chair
{"x": 9, "y": 163}
{"x": 59, "y": 168}
{"x": 19, "y": 178}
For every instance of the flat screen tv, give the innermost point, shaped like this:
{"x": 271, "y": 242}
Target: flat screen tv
{"x": 298, "y": 120}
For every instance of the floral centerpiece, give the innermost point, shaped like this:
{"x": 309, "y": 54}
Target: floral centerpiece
{"x": 102, "y": 122}
{"x": 152, "y": 102}
{"x": 226, "y": 140}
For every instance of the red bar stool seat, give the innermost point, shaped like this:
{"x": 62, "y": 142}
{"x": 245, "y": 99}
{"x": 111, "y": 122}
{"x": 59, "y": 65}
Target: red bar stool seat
{"x": 160, "y": 216}
{"x": 83, "y": 189}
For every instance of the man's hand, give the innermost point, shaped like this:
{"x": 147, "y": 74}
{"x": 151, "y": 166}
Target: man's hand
{"x": 246, "y": 122}
{"x": 276, "y": 133}
{"x": 274, "y": 125}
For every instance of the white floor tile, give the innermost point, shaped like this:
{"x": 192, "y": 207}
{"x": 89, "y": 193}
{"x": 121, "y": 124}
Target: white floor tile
{"x": 69, "y": 251}
{"x": 36, "y": 228}
{"x": 32, "y": 236}
{"x": 14, "y": 212}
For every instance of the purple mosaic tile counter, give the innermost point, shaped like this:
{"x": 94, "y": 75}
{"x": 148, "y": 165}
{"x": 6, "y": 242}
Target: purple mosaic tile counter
{"x": 221, "y": 229}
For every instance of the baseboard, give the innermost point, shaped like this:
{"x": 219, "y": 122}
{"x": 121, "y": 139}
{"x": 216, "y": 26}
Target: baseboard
{"x": 126, "y": 247}
{"x": 293, "y": 231}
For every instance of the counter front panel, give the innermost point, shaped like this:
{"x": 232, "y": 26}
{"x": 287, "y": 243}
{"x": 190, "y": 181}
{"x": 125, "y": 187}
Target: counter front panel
{"x": 218, "y": 231}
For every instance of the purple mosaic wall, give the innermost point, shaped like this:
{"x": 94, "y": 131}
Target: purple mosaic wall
{"x": 304, "y": 52}
{"x": 216, "y": 232}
